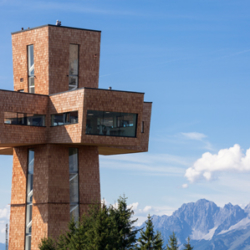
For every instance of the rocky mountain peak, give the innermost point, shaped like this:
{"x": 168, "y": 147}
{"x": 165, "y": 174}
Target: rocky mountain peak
{"x": 209, "y": 226}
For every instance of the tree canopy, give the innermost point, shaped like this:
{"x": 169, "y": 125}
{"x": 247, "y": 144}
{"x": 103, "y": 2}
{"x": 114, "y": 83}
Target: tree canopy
{"x": 172, "y": 242}
{"x": 104, "y": 228}
{"x": 149, "y": 239}
{"x": 187, "y": 245}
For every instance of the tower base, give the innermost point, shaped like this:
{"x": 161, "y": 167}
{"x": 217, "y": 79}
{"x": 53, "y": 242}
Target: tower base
{"x": 51, "y": 191}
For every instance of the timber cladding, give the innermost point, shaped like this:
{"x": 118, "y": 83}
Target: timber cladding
{"x": 80, "y": 100}
{"x": 40, "y": 39}
{"x": 50, "y": 213}
{"x": 51, "y": 58}
{"x": 89, "y": 57}
{"x": 26, "y": 123}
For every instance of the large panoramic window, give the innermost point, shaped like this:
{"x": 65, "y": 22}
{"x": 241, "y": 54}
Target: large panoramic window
{"x": 73, "y": 66}
{"x": 29, "y": 197}
{"x": 73, "y": 184}
{"x": 64, "y": 118}
{"x": 24, "y": 119}
{"x": 111, "y": 123}
{"x": 31, "y": 71}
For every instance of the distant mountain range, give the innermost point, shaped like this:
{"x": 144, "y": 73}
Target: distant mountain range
{"x": 209, "y": 226}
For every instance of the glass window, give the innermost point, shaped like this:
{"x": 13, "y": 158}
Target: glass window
{"x": 142, "y": 126}
{"x": 24, "y": 119}
{"x": 10, "y": 118}
{"x": 73, "y": 66}
{"x": 74, "y": 212}
{"x": 36, "y": 120}
{"x": 73, "y": 183}
{"x": 29, "y": 219}
{"x": 73, "y": 160}
{"x": 28, "y": 242}
{"x": 73, "y": 187}
{"x": 111, "y": 123}
{"x": 30, "y": 187}
{"x": 29, "y": 193}
{"x": 64, "y": 118}
{"x": 31, "y": 71}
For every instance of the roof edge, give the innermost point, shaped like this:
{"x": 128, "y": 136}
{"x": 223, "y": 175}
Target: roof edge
{"x": 52, "y": 25}
{"x": 25, "y": 93}
{"x": 99, "y": 89}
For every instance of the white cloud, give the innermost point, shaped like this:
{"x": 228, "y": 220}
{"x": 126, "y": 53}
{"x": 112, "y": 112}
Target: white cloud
{"x": 185, "y": 185}
{"x": 134, "y": 206}
{"x": 142, "y": 213}
{"x": 147, "y": 209}
{"x": 145, "y": 163}
{"x": 4, "y": 215}
{"x": 194, "y": 136}
{"x": 231, "y": 159}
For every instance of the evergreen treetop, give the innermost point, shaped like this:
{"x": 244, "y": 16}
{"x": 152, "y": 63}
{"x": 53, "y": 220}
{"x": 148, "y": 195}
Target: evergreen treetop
{"x": 172, "y": 242}
{"x": 103, "y": 228}
{"x": 187, "y": 245}
{"x": 148, "y": 239}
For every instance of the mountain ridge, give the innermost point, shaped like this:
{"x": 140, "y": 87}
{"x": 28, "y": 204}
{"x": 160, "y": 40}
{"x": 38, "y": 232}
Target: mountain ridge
{"x": 208, "y": 225}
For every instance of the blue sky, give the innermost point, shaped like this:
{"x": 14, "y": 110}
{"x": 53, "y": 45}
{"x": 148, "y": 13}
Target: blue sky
{"x": 191, "y": 58}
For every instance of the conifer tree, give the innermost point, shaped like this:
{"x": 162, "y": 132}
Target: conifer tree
{"x": 148, "y": 239}
{"x": 104, "y": 234}
{"x": 172, "y": 242}
{"x": 75, "y": 238}
{"x": 103, "y": 228}
{"x": 47, "y": 244}
{"x": 125, "y": 225}
{"x": 187, "y": 245}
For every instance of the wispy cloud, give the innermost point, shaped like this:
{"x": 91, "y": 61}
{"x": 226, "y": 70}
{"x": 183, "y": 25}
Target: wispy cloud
{"x": 80, "y": 8}
{"x": 138, "y": 68}
{"x": 157, "y": 164}
{"x": 192, "y": 139}
{"x": 141, "y": 212}
{"x": 233, "y": 54}
{"x": 229, "y": 159}
{"x": 73, "y": 7}
{"x": 194, "y": 136}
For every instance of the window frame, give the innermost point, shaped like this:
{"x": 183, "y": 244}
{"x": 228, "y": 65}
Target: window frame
{"x": 142, "y": 127}
{"x": 64, "y": 115}
{"x": 73, "y": 87}
{"x": 119, "y": 123}
{"x": 29, "y": 204}
{"x": 25, "y": 119}
{"x": 75, "y": 205}
{"x": 30, "y": 77}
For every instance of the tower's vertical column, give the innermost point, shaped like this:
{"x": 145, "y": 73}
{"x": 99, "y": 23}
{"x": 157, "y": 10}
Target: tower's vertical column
{"x": 51, "y": 190}
{"x": 89, "y": 177}
{"x": 18, "y": 199}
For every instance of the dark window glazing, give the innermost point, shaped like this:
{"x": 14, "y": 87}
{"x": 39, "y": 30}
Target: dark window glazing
{"x": 31, "y": 71}
{"x": 24, "y": 119}
{"x": 73, "y": 184}
{"x": 111, "y": 123}
{"x": 73, "y": 66}
{"x": 29, "y": 201}
{"x": 142, "y": 126}
{"x": 64, "y": 118}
